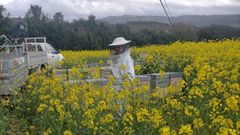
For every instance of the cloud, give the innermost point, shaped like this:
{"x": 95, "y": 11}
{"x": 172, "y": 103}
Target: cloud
{"x": 205, "y": 7}
{"x": 3, "y": 2}
{"x": 101, "y": 8}
{"x": 205, "y": 3}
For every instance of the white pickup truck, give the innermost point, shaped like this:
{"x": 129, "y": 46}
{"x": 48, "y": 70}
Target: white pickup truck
{"x": 15, "y": 60}
{"x": 41, "y": 52}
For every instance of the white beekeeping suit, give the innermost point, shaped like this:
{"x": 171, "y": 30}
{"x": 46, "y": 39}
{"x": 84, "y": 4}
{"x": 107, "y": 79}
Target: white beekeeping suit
{"x": 121, "y": 61}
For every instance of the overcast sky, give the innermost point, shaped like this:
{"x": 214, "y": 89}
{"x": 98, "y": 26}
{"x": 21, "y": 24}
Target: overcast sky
{"x": 73, "y": 9}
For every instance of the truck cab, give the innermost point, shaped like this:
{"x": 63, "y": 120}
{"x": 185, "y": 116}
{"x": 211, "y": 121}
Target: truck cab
{"x": 54, "y": 56}
{"x": 39, "y": 44}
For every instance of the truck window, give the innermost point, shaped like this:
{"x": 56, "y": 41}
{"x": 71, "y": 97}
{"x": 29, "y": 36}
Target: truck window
{"x": 30, "y": 40}
{"x": 19, "y": 49}
{"x": 39, "y": 48}
{"x": 49, "y": 48}
{"x": 31, "y": 48}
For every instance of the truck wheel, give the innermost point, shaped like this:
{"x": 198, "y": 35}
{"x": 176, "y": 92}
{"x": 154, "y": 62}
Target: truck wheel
{"x": 30, "y": 71}
{"x": 43, "y": 67}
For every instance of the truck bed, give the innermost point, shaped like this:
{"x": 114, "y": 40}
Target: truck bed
{"x": 13, "y": 73}
{"x": 36, "y": 58}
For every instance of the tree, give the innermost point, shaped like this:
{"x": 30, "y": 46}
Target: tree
{"x": 58, "y": 17}
{"x": 91, "y": 21}
{"x": 216, "y": 32}
{"x": 35, "y": 12}
{"x": 2, "y": 10}
{"x": 37, "y": 22}
{"x": 5, "y": 22}
{"x": 122, "y": 30}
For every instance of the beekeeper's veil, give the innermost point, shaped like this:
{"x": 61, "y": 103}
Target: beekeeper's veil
{"x": 121, "y": 64}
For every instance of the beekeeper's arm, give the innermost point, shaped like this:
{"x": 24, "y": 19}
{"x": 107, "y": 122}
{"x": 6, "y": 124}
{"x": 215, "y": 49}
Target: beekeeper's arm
{"x": 130, "y": 69}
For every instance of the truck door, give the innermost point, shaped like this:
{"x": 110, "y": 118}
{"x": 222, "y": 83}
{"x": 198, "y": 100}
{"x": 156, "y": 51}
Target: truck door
{"x": 53, "y": 56}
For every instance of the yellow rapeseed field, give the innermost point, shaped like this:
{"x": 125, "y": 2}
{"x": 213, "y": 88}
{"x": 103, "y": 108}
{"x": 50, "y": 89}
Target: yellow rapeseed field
{"x": 208, "y": 103}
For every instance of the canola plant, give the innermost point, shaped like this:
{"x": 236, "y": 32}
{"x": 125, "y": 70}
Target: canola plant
{"x": 208, "y": 103}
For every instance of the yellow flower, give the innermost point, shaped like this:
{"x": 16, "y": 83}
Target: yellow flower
{"x": 60, "y": 110}
{"x": 88, "y": 118}
{"x": 137, "y": 69}
{"x": 156, "y": 117}
{"x": 67, "y": 132}
{"x": 100, "y": 62}
{"x": 185, "y": 130}
{"x": 233, "y": 103}
{"x": 165, "y": 131}
{"x": 227, "y": 131}
{"x": 96, "y": 73}
{"x": 41, "y": 107}
{"x": 238, "y": 125}
{"x": 188, "y": 70}
{"x": 195, "y": 92}
{"x": 198, "y": 123}
{"x": 44, "y": 97}
{"x": 129, "y": 108}
{"x": 182, "y": 84}
{"x": 45, "y": 133}
{"x": 106, "y": 119}
{"x": 174, "y": 103}
{"x": 214, "y": 104}
{"x": 142, "y": 114}
{"x": 128, "y": 119}
{"x": 123, "y": 67}
{"x": 149, "y": 58}
{"x": 190, "y": 110}
{"x": 48, "y": 132}
{"x": 128, "y": 131}
{"x": 222, "y": 122}
{"x": 89, "y": 101}
{"x": 162, "y": 74}
{"x": 102, "y": 105}
{"x": 187, "y": 112}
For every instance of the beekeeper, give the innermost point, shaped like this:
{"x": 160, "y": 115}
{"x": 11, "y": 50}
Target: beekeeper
{"x": 121, "y": 61}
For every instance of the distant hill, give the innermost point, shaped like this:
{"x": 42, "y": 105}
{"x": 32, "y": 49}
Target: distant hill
{"x": 197, "y": 20}
{"x": 136, "y": 27}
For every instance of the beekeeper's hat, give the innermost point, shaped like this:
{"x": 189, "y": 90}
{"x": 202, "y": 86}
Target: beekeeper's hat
{"x": 119, "y": 41}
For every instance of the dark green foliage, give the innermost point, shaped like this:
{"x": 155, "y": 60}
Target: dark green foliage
{"x": 5, "y": 22}
{"x": 92, "y": 34}
{"x": 217, "y": 32}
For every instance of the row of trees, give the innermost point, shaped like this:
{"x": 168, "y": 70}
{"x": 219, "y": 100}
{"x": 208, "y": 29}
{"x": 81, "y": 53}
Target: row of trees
{"x": 92, "y": 34}
{"x": 5, "y": 22}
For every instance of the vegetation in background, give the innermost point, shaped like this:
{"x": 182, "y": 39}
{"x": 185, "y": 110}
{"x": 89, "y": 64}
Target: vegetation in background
{"x": 91, "y": 34}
